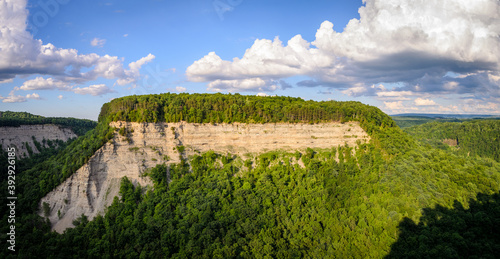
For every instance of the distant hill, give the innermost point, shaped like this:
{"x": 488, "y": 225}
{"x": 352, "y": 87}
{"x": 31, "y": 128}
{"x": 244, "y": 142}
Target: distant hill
{"x": 16, "y": 119}
{"x": 437, "y": 115}
{"x": 413, "y": 119}
{"x": 470, "y": 137}
{"x": 18, "y": 115}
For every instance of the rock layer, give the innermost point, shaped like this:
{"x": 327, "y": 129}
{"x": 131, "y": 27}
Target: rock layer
{"x": 138, "y": 146}
{"x": 21, "y": 136}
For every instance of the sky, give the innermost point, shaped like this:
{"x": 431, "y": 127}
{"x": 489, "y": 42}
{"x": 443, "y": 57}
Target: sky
{"x": 66, "y": 58}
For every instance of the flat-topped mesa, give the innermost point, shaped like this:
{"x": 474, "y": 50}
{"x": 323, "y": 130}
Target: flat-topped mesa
{"x": 22, "y": 137}
{"x": 138, "y": 146}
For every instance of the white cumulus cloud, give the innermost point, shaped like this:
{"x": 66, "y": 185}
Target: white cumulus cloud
{"x": 96, "y": 42}
{"x": 40, "y": 83}
{"x": 251, "y": 84}
{"x": 424, "y": 102}
{"x": 33, "y": 96}
{"x": 180, "y": 89}
{"x": 412, "y": 43}
{"x": 394, "y": 105}
{"x": 22, "y": 55}
{"x": 93, "y": 90}
{"x": 13, "y": 98}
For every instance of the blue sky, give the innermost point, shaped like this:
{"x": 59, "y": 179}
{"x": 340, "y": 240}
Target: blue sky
{"x": 67, "y": 57}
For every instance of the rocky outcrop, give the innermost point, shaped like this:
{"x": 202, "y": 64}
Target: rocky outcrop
{"x": 139, "y": 146}
{"x": 22, "y": 137}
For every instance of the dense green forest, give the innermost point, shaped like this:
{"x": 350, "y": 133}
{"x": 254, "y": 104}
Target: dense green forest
{"x": 218, "y": 108}
{"x": 452, "y": 232}
{"x": 15, "y": 119}
{"x": 384, "y": 198}
{"x": 470, "y": 138}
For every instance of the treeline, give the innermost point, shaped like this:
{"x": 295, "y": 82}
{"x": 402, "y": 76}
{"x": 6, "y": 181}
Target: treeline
{"x": 477, "y": 137}
{"x": 219, "y": 108}
{"x": 18, "y": 115}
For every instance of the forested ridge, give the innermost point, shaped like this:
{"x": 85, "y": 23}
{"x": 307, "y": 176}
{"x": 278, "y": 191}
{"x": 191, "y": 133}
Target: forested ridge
{"x": 471, "y": 138}
{"x": 410, "y": 121}
{"x": 18, "y": 115}
{"x": 345, "y": 202}
{"x": 16, "y": 119}
{"x": 218, "y": 108}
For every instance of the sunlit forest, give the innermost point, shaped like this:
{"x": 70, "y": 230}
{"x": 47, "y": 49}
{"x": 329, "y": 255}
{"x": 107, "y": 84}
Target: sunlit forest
{"x": 469, "y": 138}
{"x": 429, "y": 191}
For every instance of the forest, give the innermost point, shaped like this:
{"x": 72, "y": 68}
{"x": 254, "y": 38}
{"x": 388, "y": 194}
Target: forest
{"x": 470, "y": 138}
{"x": 387, "y": 198}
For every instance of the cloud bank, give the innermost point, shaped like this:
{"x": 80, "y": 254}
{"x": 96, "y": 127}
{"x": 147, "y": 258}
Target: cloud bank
{"x": 426, "y": 47}
{"x": 22, "y": 55}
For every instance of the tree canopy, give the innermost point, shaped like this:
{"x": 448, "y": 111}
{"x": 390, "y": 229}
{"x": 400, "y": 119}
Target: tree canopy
{"x": 470, "y": 138}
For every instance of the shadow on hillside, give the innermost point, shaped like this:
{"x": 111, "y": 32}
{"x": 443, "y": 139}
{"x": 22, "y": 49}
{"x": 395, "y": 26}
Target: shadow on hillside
{"x": 452, "y": 233}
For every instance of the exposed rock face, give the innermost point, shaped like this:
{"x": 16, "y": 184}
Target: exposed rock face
{"x": 92, "y": 188}
{"x": 19, "y": 136}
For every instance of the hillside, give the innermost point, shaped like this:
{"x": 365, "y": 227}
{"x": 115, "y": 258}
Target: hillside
{"x": 413, "y": 119}
{"x": 333, "y": 201}
{"x": 410, "y": 121}
{"x": 470, "y": 138}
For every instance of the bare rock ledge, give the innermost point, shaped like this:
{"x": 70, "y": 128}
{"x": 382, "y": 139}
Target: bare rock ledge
{"x": 18, "y": 137}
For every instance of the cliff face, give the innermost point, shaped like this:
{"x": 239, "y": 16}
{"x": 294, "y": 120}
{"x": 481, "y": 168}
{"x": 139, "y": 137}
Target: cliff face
{"x": 140, "y": 146}
{"x": 19, "y": 136}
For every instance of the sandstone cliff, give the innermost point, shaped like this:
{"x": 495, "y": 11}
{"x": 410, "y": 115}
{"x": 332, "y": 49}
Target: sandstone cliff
{"x": 23, "y": 135}
{"x": 139, "y": 146}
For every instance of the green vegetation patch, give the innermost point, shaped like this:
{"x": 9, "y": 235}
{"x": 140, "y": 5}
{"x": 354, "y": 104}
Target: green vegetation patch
{"x": 470, "y": 138}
